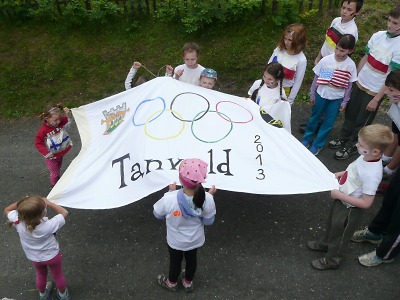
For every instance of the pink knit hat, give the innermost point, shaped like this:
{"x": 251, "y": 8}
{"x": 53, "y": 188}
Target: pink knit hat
{"x": 192, "y": 172}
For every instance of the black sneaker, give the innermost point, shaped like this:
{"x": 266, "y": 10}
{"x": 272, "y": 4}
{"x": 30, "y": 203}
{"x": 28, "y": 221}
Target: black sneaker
{"x": 335, "y": 144}
{"x": 345, "y": 153}
{"x": 322, "y": 264}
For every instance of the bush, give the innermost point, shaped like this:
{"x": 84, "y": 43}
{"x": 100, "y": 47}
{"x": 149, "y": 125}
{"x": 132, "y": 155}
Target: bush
{"x": 45, "y": 10}
{"x": 194, "y": 15}
{"x": 75, "y": 12}
{"x": 102, "y": 11}
{"x": 287, "y": 13}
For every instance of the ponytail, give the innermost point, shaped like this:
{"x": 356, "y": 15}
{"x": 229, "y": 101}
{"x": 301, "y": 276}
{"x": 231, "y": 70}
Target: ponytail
{"x": 199, "y": 197}
{"x": 254, "y": 95}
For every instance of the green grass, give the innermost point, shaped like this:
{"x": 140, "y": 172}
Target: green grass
{"x": 41, "y": 63}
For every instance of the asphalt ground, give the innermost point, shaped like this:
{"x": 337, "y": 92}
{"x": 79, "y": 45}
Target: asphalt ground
{"x": 254, "y": 250}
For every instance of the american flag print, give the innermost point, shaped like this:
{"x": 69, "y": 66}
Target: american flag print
{"x": 337, "y": 78}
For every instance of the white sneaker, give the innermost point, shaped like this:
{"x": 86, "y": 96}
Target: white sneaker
{"x": 48, "y": 291}
{"x": 371, "y": 260}
{"x": 67, "y": 296}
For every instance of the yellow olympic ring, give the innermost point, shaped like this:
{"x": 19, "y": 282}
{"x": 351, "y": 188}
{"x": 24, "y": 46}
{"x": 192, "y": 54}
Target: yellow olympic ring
{"x": 168, "y": 137}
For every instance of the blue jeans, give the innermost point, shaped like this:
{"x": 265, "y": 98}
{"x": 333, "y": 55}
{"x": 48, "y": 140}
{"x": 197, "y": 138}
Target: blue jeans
{"x": 322, "y": 107}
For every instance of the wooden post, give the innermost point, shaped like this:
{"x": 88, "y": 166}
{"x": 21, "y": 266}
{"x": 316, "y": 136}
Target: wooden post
{"x": 58, "y": 7}
{"x": 263, "y": 5}
{"x": 88, "y": 5}
{"x": 301, "y": 5}
{"x": 274, "y": 6}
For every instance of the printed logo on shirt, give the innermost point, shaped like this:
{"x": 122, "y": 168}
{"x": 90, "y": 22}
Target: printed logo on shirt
{"x": 114, "y": 117}
{"x": 177, "y": 213}
{"x": 336, "y": 78}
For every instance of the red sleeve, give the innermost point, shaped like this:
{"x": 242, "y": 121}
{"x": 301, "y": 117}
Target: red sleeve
{"x": 40, "y": 141}
{"x": 64, "y": 120}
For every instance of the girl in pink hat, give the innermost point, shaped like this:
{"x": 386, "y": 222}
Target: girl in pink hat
{"x": 186, "y": 211}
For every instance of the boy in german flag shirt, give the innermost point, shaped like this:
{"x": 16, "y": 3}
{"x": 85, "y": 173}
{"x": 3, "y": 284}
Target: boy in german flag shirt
{"x": 345, "y": 24}
{"x": 382, "y": 56}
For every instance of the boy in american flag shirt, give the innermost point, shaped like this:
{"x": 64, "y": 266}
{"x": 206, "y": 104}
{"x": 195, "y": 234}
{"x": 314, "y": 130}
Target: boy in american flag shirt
{"x": 330, "y": 92}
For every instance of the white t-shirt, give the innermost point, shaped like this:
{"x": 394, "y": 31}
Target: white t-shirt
{"x": 266, "y": 95}
{"x": 294, "y": 67}
{"x": 335, "y": 32}
{"x": 183, "y": 233}
{"x": 41, "y": 244}
{"x": 334, "y": 76}
{"x": 382, "y": 52}
{"x": 191, "y": 76}
{"x": 361, "y": 177}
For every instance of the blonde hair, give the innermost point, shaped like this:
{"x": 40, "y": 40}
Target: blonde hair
{"x": 299, "y": 37}
{"x": 30, "y": 210}
{"x": 376, "y": 136}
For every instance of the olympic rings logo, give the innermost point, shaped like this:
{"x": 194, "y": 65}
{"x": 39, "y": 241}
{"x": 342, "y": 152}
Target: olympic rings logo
{"x": 196, "y": 110}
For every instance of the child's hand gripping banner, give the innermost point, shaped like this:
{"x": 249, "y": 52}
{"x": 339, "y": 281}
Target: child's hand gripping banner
{"x": 133, "y": 142}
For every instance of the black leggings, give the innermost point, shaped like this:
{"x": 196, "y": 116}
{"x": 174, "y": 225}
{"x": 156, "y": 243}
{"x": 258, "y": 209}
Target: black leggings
{"x": 175, "y": 261}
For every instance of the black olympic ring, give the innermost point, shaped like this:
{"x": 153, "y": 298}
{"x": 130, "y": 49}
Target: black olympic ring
{"x": 196, "y": 119}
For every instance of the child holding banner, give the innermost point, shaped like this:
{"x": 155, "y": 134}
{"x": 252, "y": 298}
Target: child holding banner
{"x": 186, "y": 211}
{"x": 142, "y": 79}
{"x": 190, "y": 71}
{"x": 37, "y": 235}
{"x": 52, "y": 139}
{"x": 385, "y": 227}
{"x": 357, "y": 189}
{"x": 289, "y": 54}
{"x": 392, "y": 84}
{"x": 269, "y": 94}
{"x": 269, "y": 90}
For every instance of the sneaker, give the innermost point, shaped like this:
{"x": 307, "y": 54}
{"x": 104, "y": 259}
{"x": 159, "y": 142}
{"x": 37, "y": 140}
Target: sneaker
{"x": 305, "y": 143}
{"x": 345, "y": 153}
{"x": 371, "y": 260}
{"x": 321, "y": 264}
{"x": 314, "y": 150}
{"x": 365, "y": 235}
{"x": 335, "y": 144}
{"x": 188, "y": 287}
{"x": 48, "y": 291}
{"x": 315, "y": 246}
{"x": 164, "y": 282}
{"x": 67, "y": 295}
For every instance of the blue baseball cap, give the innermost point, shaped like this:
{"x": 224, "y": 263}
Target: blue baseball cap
{"x": 209, "y": 73}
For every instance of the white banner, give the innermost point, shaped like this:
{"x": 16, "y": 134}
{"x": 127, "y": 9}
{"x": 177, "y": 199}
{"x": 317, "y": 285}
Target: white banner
{"x": 133, "y": 142}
